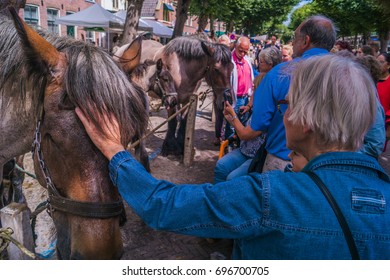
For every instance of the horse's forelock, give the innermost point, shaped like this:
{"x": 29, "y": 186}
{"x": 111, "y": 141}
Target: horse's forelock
{"x": 222, "y": 53}
{"x": 95, "y": 83}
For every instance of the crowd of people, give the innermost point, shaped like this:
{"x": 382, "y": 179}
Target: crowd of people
{"x": 321, "y": 117}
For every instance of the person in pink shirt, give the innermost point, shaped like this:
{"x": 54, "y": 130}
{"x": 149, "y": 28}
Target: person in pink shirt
{"x": 242, "y": 81}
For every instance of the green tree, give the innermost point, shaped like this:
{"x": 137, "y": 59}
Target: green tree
{"x": 358, "y": 17}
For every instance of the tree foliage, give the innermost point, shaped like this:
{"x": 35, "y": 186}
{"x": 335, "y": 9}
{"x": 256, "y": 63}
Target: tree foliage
{"x": 352, "y": 17}
{"x": 246, "y": 16}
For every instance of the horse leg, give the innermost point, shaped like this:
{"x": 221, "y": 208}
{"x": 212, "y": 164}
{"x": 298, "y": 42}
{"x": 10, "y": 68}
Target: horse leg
{"x": 141, "y": 154}
{"x": 169, "y": 146}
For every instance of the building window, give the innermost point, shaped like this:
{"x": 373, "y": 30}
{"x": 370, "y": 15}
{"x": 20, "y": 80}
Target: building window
{"x": 70, "y": 30}
{"x": 115, "y": 4}
{"x": 166, "y": 15}
{"x": 31, "y": 15}
{"x": 90, "y": 37}
{"x": 189, "y": 20}
{"x": 51, "y": 25}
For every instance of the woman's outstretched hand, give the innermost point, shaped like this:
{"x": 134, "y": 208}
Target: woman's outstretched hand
{"x": 108, "y": 142}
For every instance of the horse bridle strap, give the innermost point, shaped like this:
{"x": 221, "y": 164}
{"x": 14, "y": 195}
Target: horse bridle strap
{"x": 85, "y": 209}
{"x": 57, "y": 202}
{"x": 164, "y": 94}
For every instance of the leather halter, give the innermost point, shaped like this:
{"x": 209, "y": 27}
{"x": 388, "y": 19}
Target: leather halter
{"x": 164, "y": 94}
{"x": 60, "y": 203}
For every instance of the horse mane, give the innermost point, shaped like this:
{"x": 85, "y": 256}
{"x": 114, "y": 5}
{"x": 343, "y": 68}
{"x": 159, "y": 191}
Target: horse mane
{"x": 142, "y": 68}
{"x": 189, "y": 47}
{"x": 93, "y": 81}
{"x": 185, "y": 47}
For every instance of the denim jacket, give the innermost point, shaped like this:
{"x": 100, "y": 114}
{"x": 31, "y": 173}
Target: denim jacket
{"x": 274, "y": 215}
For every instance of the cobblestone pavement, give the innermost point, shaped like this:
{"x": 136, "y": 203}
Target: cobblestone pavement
{"x": 144, "y": 243}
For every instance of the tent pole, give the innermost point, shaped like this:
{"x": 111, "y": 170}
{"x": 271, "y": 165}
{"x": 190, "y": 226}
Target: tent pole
{"x": 108, "y": 41}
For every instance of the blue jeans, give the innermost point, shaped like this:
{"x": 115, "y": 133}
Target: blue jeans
{"x": 232, "y": 165}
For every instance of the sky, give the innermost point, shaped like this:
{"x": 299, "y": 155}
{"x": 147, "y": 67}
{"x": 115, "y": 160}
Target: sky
{"x": 300, "y": 4}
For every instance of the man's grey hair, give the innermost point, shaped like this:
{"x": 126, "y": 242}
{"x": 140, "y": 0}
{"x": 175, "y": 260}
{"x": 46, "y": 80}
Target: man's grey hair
{"x": 336, "y": 98}
{"x": 321, "y": 30}
{"x": 271, "y": 55}
{"x": 240, "y": 39}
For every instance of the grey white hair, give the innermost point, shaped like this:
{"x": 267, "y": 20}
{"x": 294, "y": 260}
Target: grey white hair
{"x": 271, "y": 55}
{"x": 336, "y": 98}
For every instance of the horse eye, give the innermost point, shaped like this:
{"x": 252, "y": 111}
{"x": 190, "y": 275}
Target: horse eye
{"x": 66, "y": 103}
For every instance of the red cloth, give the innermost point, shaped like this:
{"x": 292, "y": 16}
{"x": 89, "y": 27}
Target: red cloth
{"x": 384, "y": 97}
{"x": 243, "y": 74}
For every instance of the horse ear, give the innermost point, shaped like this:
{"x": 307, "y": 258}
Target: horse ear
{"x": 159, "y": 65}
{"x": 132, "y": 55}
{"x": 209, "y": 50}
{"x": 41, "y": 53}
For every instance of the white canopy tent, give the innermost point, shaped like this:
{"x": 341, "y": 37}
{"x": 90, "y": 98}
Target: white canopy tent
{"x": 158, "y": 29}
{"x": 94, "y": 16}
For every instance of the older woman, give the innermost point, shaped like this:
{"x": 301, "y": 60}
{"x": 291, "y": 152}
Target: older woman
{"x": 267, "y": 59}
{"x": 276, "y": 215}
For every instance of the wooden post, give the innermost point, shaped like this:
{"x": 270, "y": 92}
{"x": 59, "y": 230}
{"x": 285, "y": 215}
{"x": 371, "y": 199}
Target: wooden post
{"x": 213, "y": 117}
{"x": 17, "y": 217}
{"x": 190, "y": 130}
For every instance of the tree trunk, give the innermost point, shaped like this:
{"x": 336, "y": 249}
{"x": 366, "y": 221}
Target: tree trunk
{"x": 384, "y": 39}
{"x": 131, "y": 24}
{"x": 181, "y": 17}
{"x": 202, "y": 22}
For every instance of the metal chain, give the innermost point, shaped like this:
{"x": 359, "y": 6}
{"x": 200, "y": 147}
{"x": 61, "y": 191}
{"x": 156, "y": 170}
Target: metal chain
{"x": 37, "y": 148}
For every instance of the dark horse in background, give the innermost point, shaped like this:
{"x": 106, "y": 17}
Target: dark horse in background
{"x": 189, "y": 60}
{"x": 152, "y": 77}
{"x": 42, "y": 80}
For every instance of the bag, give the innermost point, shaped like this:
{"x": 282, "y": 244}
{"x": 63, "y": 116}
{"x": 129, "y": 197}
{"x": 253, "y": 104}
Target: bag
{"x": 258, "y": 161}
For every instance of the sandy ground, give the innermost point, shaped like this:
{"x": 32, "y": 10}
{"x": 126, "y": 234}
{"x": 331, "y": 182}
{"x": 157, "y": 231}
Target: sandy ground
{"x": 140, "y": 241}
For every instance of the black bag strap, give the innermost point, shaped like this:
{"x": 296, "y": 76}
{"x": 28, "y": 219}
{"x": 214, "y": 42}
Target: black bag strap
{"x": 336, "y": 209}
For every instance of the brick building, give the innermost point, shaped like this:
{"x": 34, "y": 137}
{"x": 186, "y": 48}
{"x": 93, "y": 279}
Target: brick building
{"x": 43, "y": 13}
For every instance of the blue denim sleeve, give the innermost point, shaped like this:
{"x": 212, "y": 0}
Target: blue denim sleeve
{"x": 375, "y": 139}
{"x": 231, "y": 209}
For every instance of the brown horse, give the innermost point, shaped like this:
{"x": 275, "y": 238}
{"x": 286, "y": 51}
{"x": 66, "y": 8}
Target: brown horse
{"x": 189, "y": 60}
{"x": 42, "y": 80}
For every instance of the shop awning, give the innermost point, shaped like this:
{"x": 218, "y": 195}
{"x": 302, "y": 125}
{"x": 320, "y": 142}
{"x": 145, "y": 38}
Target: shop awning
{"x": 159, "y": 29}
{"x": 169, "y": 7}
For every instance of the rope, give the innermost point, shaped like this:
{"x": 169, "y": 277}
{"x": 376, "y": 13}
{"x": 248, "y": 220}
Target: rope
{"x": 136, "y": 143}
{"x": 24, "y": 171}
{"x": 5, "y": 239}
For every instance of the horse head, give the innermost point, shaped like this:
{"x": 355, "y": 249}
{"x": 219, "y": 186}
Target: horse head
{"x": 218, "y": 71}
{"x": 84, "y": 204}
{"x": 163, "y": 84}
{"x": 152, "y": 76}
